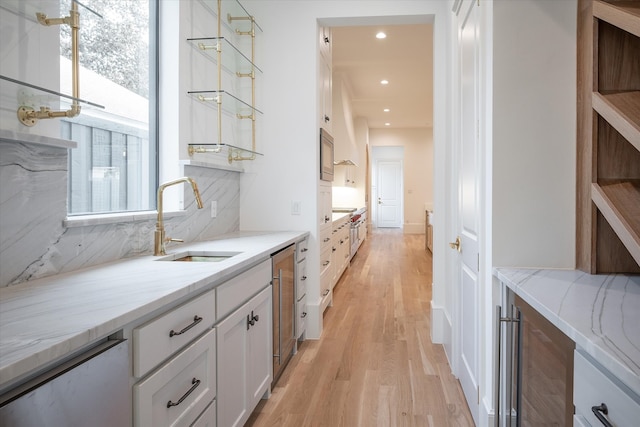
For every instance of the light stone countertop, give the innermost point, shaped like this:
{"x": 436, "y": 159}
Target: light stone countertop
{"x": 45, "y": 319}
{"x": 601, "y": 313}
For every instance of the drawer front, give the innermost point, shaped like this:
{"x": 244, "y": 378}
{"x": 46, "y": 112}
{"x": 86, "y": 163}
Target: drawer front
{"x": 158, "y": 339}
{"x": 181, "y": 389}
{"x": 592, "y": 388}
{"x": 302, "y": 247}
{"x": 301, "y": 316}
{"x": 208, "y": 417}
{"x": 235, "y": 292}
{"x": 325, "y": 260}
{"x": 325, "y": 238}
{"x": 301, "y": 279}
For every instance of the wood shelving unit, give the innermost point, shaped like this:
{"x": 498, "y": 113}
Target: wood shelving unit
{"x": 608, "y": 199}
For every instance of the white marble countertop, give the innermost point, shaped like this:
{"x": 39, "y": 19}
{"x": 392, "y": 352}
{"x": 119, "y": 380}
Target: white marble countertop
{"x": 46, "y": 319}
{"x": 601, "y": 313}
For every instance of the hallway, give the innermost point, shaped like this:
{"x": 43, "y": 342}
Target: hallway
{"x": 374, "y": 364}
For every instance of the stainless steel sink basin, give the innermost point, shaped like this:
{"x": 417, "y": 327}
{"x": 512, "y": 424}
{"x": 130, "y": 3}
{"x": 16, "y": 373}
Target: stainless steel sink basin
{"x": 200, "y": 256}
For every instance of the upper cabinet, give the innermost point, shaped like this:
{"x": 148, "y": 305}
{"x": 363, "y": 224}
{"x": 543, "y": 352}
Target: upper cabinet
{"x": 325, "y": 77}
{"x": 230, "y": 88}
{"x": 608, "y": 199}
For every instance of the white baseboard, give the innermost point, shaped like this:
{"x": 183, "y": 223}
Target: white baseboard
{"x": 314, "y": 321}
{"x": 441, "y": 328}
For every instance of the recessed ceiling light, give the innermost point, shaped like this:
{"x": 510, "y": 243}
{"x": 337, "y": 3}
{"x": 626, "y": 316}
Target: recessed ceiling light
{"x": 387, "y": 124}
{"x": 384, "y": 82}
{"x": 386, "y": 110}
{"x": 381, "y": 35}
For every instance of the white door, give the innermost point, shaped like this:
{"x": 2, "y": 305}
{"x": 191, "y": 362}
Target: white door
{"x": 468, "y": 213}
{"x": 389, "y": 193}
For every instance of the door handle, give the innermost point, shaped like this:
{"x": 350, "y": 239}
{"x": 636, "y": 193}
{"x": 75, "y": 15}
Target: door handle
{"x": 456, "y": 245}
{"x": 379, "y": 201}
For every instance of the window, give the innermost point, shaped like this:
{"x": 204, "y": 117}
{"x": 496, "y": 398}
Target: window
{"x": 114, "y": 167}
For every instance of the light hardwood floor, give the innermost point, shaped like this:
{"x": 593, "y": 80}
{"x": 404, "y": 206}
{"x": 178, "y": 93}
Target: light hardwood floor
{"x": 375, "y": 364}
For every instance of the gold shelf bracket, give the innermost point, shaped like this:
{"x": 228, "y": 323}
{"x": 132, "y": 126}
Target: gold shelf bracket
{"x": 29, "y": 116}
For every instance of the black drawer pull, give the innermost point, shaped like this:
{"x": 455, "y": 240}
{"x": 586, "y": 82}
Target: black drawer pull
{"x": 196, "y": 383}
{"x": 196, "y": 319}
{"x": 600, "y": 412}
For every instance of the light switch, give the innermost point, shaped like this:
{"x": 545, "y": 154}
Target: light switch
{"x": 296, "y": 206}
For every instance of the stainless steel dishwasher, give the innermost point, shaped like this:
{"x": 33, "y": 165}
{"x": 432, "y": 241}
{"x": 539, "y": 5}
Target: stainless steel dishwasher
{"x": 283, "y": 308}
{"x": 89, "y": 390}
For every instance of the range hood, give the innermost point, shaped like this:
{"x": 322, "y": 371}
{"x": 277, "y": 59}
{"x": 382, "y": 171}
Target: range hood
{"x": 344, "y": 162}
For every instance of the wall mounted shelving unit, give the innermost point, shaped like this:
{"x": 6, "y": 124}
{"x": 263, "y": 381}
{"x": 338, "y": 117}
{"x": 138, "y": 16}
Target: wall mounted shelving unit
{"x": 608, "y": 137}
{"x": 237, "y": 102}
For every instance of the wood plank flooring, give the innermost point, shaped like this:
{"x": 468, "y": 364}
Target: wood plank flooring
{"x": 375, "y": 364}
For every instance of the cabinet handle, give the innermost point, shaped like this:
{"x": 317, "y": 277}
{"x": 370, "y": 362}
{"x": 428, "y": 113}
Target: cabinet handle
{"x": 333, "y": 249}
{"x": 252, "y": 319}
{"x": 304, "y": 314}
{"x": 326, "y": 119}
{"x": 196, "y": 383}
{"x": 303, "y": 278}
{"x": 325, "y": 293}
{"x": 324, "y": 264}
{"x": 600, "y": 412}
{"x": 304, "y": 250}
{"x": 326, "y": 40}
{"x": 326, "y": 239}
{"x": 197, "y": 319}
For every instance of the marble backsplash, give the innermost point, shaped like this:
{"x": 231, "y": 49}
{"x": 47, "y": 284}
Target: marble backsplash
{"x": 34, "y": 241}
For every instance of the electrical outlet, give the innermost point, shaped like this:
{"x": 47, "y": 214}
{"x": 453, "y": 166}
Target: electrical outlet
{"x": 214, "y": 208}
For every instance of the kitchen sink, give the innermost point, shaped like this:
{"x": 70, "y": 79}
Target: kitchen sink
{"x": 200, "y": 256}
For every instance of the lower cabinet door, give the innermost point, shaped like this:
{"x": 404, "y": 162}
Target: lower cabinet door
{"x": 244, "y": 353}
{"x": 181, "y": 389}
{"x": 207, "y": 418}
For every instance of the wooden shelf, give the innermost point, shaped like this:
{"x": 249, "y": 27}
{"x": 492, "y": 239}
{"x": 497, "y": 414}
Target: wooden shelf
{"x": 622, "y": 111}
{"x": 622, "y": 14}
{"x": 619, "y": 203}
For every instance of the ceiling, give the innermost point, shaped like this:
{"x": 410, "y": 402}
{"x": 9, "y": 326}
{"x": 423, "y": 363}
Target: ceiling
{"x": 404, "y": 58}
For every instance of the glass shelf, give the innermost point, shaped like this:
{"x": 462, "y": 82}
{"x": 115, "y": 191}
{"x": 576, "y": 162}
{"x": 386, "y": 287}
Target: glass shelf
{"x": 29, "y": 95}
{"x": 229, "y": 102}
{"x": 230, "y": 54}
{"x": 28, "y": 10}
{"x": 234, "y": 153}
{"x": 235, "y": 9}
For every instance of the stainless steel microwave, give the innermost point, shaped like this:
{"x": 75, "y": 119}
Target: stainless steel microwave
{"x": 326, "y": 156}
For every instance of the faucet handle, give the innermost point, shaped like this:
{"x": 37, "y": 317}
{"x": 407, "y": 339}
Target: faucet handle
{"x": 171, "y": 239}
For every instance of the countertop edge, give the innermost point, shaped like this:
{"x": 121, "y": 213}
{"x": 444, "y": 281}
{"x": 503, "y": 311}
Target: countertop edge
{"x": 51, "y": 350}
{"x": 586, "y": 340}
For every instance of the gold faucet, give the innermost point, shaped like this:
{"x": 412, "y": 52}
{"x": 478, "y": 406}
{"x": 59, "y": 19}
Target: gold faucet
{"x": 160, "y": 239}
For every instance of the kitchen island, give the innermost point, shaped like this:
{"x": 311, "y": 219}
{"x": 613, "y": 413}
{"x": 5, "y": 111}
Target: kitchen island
{"x": 601, "y": 314}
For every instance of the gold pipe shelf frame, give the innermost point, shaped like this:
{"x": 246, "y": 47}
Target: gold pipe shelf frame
{"x": 244, "y": 67}
{"x": 29, "y": 116}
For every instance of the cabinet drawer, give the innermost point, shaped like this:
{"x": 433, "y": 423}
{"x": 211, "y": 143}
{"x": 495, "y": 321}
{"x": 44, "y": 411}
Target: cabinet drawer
{"x": 325, "y": 238}
{"x": 301, "y": 316}
{"x": 181, "y": 389}
{"x": 158, "y": 339}
{"x": 233, "y": 293}
{"x": 301, "y": 279}
{"x": 325, "y": 260}
{"x": 302, "y": 247}
{"x": 593, "y": 387}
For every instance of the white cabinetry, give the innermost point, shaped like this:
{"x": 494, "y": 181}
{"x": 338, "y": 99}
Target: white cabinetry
{"x": 244, "y": 359}
{"x": 340, "y": 247}
{"x": 180, "y": 390}
{"x": 595, "y": 389}
{"x": 302, "y": 247}
{"x": 325, "y": 77}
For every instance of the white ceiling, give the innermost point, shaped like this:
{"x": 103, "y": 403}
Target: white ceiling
{"x": 404, "y": 58}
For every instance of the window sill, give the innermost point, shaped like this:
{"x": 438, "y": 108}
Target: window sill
{"x": 116, "y": 218}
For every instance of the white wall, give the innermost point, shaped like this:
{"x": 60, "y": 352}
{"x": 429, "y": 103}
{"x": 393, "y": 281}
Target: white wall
{"x": 418, "y": 170}
{"x": 289, "y": 138}
{"x": 534, "y": 133}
